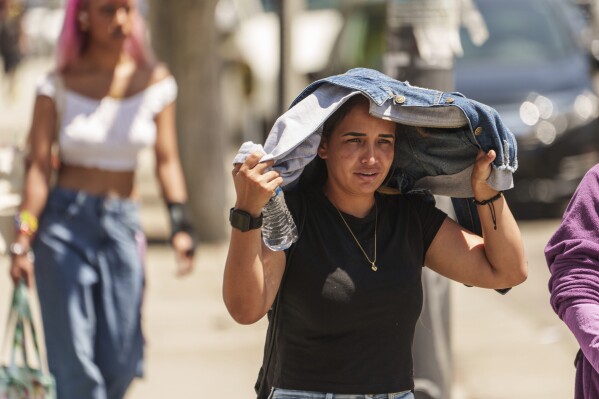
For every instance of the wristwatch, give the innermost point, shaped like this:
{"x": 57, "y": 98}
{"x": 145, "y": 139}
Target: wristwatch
{"x": 18, "y": 249}
{"x": 243, "y": 221}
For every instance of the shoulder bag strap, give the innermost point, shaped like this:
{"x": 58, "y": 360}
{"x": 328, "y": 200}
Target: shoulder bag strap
{"x": 9, "y": 330}
{"x": 19, "y": 319}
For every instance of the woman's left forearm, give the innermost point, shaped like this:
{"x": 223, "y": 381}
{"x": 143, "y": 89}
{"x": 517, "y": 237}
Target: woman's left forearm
{"x": 168, "y": 164}
{"x": 503, "y": 243}
{"x": 172, "y": 183}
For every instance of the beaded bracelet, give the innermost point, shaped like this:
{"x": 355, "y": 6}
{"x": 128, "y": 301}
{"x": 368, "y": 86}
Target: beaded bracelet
{"x": 491, "y": 206}
{"x": 26, "y": 223}
{"x": 488, "y": 201}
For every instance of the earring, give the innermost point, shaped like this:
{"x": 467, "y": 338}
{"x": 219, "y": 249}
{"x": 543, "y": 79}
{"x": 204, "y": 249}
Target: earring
{"x": 83, "y": 21}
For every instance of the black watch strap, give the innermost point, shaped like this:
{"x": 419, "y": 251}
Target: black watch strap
{"x": 243, "y": 221}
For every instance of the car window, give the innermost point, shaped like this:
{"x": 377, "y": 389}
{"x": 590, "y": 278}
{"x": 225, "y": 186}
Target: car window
{"x": 520, "y": 32}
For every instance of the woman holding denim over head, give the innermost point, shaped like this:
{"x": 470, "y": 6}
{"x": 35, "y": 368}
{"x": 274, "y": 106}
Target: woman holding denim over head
{"x": 352, "y": 292}
{"x": 106, "y": 101}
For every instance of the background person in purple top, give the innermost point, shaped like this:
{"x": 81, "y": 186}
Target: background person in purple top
{"x": 572, "y": 254}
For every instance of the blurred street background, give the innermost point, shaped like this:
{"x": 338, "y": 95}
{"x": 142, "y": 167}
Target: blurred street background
{"x": 536, "y": 64}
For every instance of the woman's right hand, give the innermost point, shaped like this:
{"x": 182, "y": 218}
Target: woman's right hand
{"x": 253, "y": 185}
{"x": 252, "y": 273}
{"x": 21, "y": 268}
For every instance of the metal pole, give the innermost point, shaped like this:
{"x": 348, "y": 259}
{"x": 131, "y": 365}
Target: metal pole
{"x": 283, "y": 57}
{"x": 290, "y": 82}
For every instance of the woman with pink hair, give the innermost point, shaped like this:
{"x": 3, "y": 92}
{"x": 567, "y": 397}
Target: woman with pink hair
{"x": 107, "y": 99}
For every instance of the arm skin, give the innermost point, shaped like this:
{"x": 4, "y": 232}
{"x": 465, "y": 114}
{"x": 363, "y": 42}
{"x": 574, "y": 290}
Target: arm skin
{"x": 253, "y": 272}
{"x": 37, "y": 177}
{"x": 495, "y": 260}
{"x": 170, "y": 175}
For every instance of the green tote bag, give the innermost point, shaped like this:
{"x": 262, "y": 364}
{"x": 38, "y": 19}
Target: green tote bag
{"x": 19, "y": 380}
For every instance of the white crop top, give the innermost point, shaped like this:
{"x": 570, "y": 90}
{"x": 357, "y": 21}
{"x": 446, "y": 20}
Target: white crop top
{"x": 108, "y": 133}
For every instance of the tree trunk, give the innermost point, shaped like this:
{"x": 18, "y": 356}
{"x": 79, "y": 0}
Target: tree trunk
{"x": 184, "y": 37}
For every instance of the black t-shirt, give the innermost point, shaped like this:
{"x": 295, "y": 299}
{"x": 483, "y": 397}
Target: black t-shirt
{"x": 345, "y": 328}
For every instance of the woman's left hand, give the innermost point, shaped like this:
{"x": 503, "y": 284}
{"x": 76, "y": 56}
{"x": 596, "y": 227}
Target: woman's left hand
{"x": 480, "y": 173}
{"x": 184, "y": 252}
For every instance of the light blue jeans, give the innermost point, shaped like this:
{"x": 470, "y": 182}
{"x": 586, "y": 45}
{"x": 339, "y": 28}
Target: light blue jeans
{"x": 90, "y": 277}
{"x": 293, "y": 394}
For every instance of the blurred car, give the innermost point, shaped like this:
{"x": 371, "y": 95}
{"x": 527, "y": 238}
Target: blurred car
{"x": 535, "y": 72}
{"x": 533, "y": 69}
{"x": 590, "y": 35}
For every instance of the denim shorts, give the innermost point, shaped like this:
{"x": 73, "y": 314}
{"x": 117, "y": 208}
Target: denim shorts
{"x": 278, "y": 393}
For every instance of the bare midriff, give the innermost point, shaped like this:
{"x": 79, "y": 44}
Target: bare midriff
{"x": 97, "y": 181}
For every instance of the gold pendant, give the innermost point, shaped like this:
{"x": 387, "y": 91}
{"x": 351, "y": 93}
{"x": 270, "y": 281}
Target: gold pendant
{"x": 373, "y": 267}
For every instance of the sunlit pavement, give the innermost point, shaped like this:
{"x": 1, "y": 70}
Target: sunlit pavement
{"x": 508, "y": 347}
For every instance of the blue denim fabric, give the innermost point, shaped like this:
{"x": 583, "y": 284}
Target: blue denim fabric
{"x": 475, "y": 123}
{"x": 293, "y": 394}
{"x": 437, "y": 142}
{"x": 89, "y": 278}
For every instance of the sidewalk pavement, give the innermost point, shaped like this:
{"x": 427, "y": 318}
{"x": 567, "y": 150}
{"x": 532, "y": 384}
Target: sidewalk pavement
{"x": 504, "y": 347}
{"x": 501, "y": 350}
{"x": 195, "y": 350}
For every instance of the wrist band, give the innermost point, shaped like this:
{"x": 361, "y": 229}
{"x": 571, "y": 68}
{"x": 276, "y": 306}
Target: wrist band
{"x": 491, "y": 206}
{"x": 488, "y": 201}
{"x": 26, "y": 223}
{"x": 180, "y": 218}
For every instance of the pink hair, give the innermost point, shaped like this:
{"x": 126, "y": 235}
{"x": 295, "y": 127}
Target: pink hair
{"x": 72, "y": 39}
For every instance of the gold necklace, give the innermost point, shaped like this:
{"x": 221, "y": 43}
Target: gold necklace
{"x": 373, "y": 261}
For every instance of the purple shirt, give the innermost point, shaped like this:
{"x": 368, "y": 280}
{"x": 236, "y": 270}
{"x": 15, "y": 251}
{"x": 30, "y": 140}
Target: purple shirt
{"x": 572, "y": 254}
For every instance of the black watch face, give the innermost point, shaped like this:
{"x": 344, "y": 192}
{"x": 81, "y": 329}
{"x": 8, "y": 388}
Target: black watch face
{"x": 240, "y": 220}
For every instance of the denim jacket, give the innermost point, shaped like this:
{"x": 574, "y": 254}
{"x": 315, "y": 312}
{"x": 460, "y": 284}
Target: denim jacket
{"x": 438, "y": 136}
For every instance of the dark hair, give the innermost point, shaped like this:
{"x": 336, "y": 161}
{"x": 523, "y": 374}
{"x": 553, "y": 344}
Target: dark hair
{"x": 332, "y": 121}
